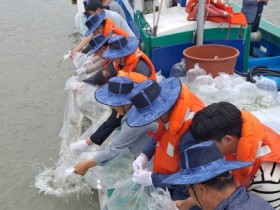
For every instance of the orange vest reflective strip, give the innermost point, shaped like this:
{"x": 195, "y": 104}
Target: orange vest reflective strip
{"x": 167, "y": 157}
{"x": 132, "y": 60}
{"x": 258, "y": 144}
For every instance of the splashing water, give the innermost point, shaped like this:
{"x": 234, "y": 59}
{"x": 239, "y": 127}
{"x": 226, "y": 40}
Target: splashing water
{"x": 54, "y": 181}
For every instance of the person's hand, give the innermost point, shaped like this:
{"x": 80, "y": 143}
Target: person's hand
{"x": 143, "y": 177}
{"x": 82, "y": 167}
{"x": 79, "y": 146}
{"x": 140, "y": 163}
{"x": 80, "y": 71}
{"x": 185, "y": 204}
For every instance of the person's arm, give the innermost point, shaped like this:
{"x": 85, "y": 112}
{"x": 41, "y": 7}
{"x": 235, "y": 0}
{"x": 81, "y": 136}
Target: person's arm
{"x": 83, "y": 43}
{"x": 149, "y": 148}
{"x": 102, "y": 133}
{"x": 126, "y": 138}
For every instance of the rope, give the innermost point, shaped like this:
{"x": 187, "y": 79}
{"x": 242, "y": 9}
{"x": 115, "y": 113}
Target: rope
{"x": 260, "y": 71}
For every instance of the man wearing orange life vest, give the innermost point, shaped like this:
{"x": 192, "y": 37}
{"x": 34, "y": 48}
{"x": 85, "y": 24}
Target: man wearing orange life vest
{"x": 128, "y": 57}
{"x": 172, "y": 106}
{"x": 98, "y": 24}
{"x": 241, "y": 136}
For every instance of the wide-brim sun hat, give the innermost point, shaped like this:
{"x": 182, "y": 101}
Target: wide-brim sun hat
{"x": 203, "y": 162}
{"x": 94, "y": 21}
{"x": 151, "y": 100}
{"x": 97, "y": 42}
{"x": 120, "y": 46}
{"x": 116, "y": 93}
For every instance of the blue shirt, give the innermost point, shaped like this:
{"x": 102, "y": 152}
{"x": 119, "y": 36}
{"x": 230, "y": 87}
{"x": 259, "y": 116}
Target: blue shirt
{"x": 242, "y": 200}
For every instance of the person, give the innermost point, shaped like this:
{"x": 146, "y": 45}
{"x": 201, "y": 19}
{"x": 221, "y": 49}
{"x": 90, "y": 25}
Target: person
{"x": 113, "y": 6}
{"x": 98, "y": 45}
{"x": 252, "y": 9}
{"x": 172, "y": 106}
{"x": 98, "y": 79}
{"x": 241, "y": 136}
{"x": 117, "y": 94}
{"x": 209, "y": 182}
{"x": 104, "y": 22}
{"x": 128, "y": 57}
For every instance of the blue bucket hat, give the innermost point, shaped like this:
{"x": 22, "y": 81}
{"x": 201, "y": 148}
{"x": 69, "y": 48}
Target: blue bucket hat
{"x": 120, "y": 46}
{"x": 94, "y": 21}
{"x": 97, "y": 42}
{"x": 203, "y": 162}
{"x": 151, "y": 100}
{"x": 116, "y": 93}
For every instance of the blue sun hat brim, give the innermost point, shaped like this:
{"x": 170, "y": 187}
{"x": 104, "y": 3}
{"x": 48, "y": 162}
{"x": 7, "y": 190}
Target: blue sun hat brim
{"x": 98, "y": 46}
{"x": 203, "y": 162}
{"x": 101, "y": 17}
{"x": 207, "y": 172}
{"x": 170, "y": 90}
{"x": 105, "y": 96}
{"x": 130, "y": 47}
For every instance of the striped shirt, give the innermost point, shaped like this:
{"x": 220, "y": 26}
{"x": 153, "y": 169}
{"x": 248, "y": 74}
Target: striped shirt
{"x": 266, "y": 184}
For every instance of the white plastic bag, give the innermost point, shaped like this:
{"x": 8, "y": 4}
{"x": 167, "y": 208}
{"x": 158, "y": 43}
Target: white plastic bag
{"x": 178, "y": 69}
{"x": 248, "y": 96}
{"x": 200, "y": 81}
{"x": 159, "y": 76}
{"x": 194, "y": 73}
{"x": 267, "y": 92}
{"x": 231, "y": 95}
{"x": 208, "y": 94}
{"x": 223, "y": 81}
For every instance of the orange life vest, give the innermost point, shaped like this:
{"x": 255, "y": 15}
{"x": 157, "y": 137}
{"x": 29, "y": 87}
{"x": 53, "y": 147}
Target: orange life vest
{"x": 216, "y": 11}
{"x": 134, "y": 76}
{"x": 132, "y": 60}
{"x": 258, "y": 144}
{"x": 111, "y": 27}
{"x": 167, "y": 156}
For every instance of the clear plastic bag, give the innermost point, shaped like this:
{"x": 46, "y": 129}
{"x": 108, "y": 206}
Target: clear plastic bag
{"x": 79, "y": 59}
{"x": 87, "y": 103}
{"x": 72, "y": 117}
{"x": 223, "y": 81}
{"x": 178, "y": 69}
{"x": 80, "y": 20}
{"x": 159, "y": 76}
{"x": 161, "y": 200}
{"x": 109, "y": 175}
{"x": 267, "y": 92}
{"x": 231, "y": 95}
{"x": 208, "y": 94}
{"x": 194, "y": 73}
{"x": 237, "y": 80}
{"x": 248, "y": 96}
{"x": 200, "y": 81}
{"x": 129, "y": 195}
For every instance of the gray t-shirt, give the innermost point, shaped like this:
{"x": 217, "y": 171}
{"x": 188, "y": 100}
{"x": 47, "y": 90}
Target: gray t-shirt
{"x": 114, "y": 6}
{"x": 133, "y": 138}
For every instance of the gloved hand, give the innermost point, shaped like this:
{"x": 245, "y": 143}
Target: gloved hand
{"x": 80, "y": 71}
{"x": 79, "y": 146}
{"x": 143, "y": 177}
{"x": 140, "y": 163}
